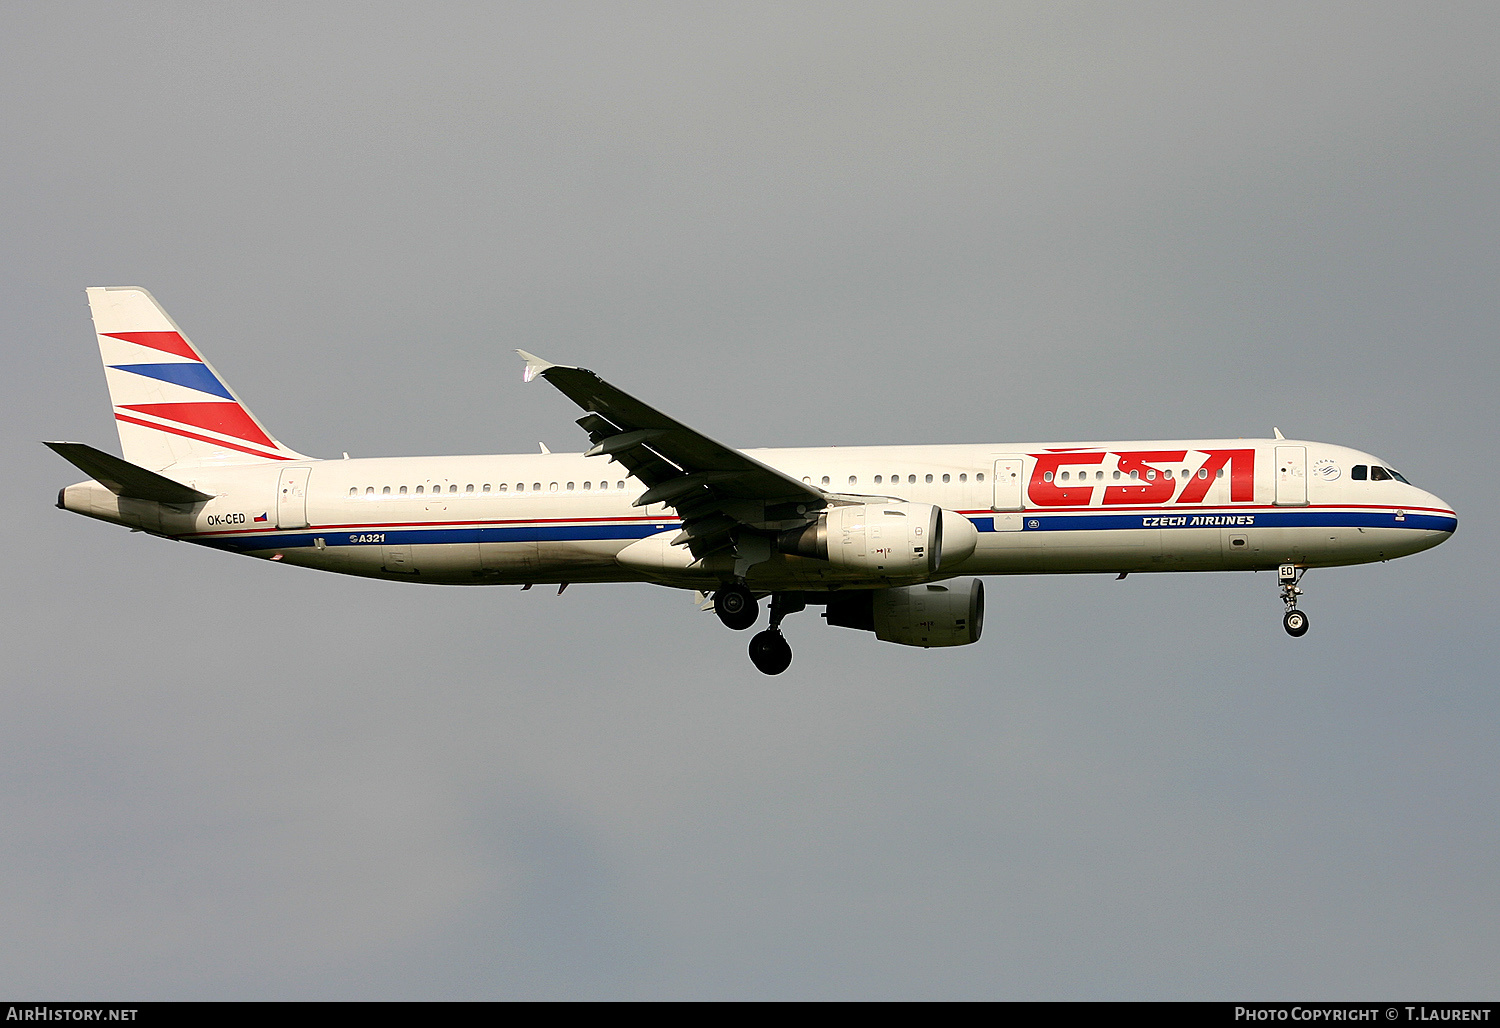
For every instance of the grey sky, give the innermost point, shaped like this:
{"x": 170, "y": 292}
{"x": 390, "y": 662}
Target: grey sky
{"x": 785, "y": 224}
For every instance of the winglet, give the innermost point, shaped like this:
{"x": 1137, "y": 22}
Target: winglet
{"x": 1273, "y": 429}
{"x": 534, "y": 365}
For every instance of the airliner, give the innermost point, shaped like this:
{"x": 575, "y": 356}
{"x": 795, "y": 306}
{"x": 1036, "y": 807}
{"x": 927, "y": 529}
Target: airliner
{"x": 886, "y": 539}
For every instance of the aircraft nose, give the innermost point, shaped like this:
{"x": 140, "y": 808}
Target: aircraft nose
{"x": 1444, "y": 517}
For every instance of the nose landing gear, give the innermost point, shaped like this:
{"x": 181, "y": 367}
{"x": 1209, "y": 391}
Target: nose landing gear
{"x": 1294, "y": 621}
{"x": 769, "y": 651}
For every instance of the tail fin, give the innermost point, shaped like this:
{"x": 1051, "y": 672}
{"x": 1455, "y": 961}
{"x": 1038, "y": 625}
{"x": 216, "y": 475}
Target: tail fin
{"x": 171, "y": 407}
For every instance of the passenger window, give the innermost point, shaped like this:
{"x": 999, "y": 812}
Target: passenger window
{"x": 807, "y": 480}
{"x": 552, "y": 488}
{"x": 586, "y": 486}
{"x": 1099, "y": 475}
{"x": 945, "y": 479}
{"x": 979, "y": 477}
{"x": 1117, "y": 476}
{"x": 369, "y": 490}
{"x": 1151, "y": 474}
{"x": 878, "y": 479}
{"x": 928, "y": 480}
{"x": 1135, "y": 474}
{"x": 911, "y": 479}
{"x": 1165, "y": 474}
{"x": 503, "y": 486}
{"x": 570, "y": 487}
{"x": 603, "y": 486}
{"x": 385, "y": 491}
{"x": 453, "y": 488}
{"x": 354, "y": 490}
{"x": 963, "y": 478}
{"x": 470, "y": 488}
{"x": 419, "y": 490}
{"x": 1202, "y": 472}
{"x": 619, "y": 485}
{"x": 1046, "y": 476}
{"x": 854, "y": 480}
{"x": 1219, "y": 473}
{"x": 1379, "y": 474}
{"x": 536, "y": 487}
{"x": 825, "y": 479}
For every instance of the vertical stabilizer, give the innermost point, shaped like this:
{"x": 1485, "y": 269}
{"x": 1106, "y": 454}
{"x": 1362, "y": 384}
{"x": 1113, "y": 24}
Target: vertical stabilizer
{"x": 171, "y": 407}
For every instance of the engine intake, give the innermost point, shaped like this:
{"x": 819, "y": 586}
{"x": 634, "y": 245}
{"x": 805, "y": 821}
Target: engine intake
{"x": 900, "y": 539}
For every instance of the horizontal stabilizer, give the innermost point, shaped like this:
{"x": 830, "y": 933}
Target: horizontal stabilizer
{"x": 124, "y": 478}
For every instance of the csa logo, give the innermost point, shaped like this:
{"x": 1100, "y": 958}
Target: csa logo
{"x": 1326, "y": 469}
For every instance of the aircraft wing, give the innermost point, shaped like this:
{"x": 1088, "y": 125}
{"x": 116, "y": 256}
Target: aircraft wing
{"x": 714, "y": 488}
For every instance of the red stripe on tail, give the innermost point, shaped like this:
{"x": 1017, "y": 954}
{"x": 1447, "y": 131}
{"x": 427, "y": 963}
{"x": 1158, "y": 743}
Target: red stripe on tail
{"x": 202, "y": 438}
{"x": 169, "y": 342}
{"x": 227, "y": 418}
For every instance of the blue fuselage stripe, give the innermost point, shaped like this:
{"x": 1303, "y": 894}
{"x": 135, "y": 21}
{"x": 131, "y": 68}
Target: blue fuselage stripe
{"x": 437, "y": 536}
{"x": 1054, "y": 522}
{"x": 1031, "y": 522}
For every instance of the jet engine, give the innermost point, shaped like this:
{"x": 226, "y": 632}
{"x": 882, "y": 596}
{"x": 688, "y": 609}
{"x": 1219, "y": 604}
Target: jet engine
{"x": 939, "y": 614}
{"x": 900, "y": 539}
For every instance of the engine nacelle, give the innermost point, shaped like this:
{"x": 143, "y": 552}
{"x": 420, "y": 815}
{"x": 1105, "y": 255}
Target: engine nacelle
{"x": 898, "y": 539}
{"x": 938, "y": 614}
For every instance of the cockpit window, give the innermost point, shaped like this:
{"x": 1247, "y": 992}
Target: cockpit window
{"x": 1379, "y": 474}
{"x": 1359, "y": 472}
{"x": 1398, "y": 476}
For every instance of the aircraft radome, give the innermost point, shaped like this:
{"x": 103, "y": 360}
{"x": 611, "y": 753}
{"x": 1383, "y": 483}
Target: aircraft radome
{"x": 887, "y": 539}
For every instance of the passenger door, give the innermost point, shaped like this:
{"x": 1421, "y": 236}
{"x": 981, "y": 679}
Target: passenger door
{"x": 1291, "y": 476}
{"x": 1007, "y": 502}
{"x": 291, "y": 498}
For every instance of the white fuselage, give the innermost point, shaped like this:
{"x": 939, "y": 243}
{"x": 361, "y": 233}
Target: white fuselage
{"x": 1195, "y": 505}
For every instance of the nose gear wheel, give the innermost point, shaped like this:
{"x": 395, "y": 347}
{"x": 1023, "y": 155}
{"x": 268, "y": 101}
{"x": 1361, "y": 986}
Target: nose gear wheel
{"x": 1294, "y": 621}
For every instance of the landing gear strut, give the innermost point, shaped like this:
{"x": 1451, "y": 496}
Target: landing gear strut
{"x": 1294, "y": 621}
{"x": 736, "y": 607}
{"x": 769, "y": 650}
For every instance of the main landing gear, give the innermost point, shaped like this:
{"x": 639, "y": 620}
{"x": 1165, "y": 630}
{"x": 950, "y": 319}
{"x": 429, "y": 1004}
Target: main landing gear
{"x": 1294, "y": 621}
{"x": 737, "y": 608}
{"x": 769, "y": 651}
